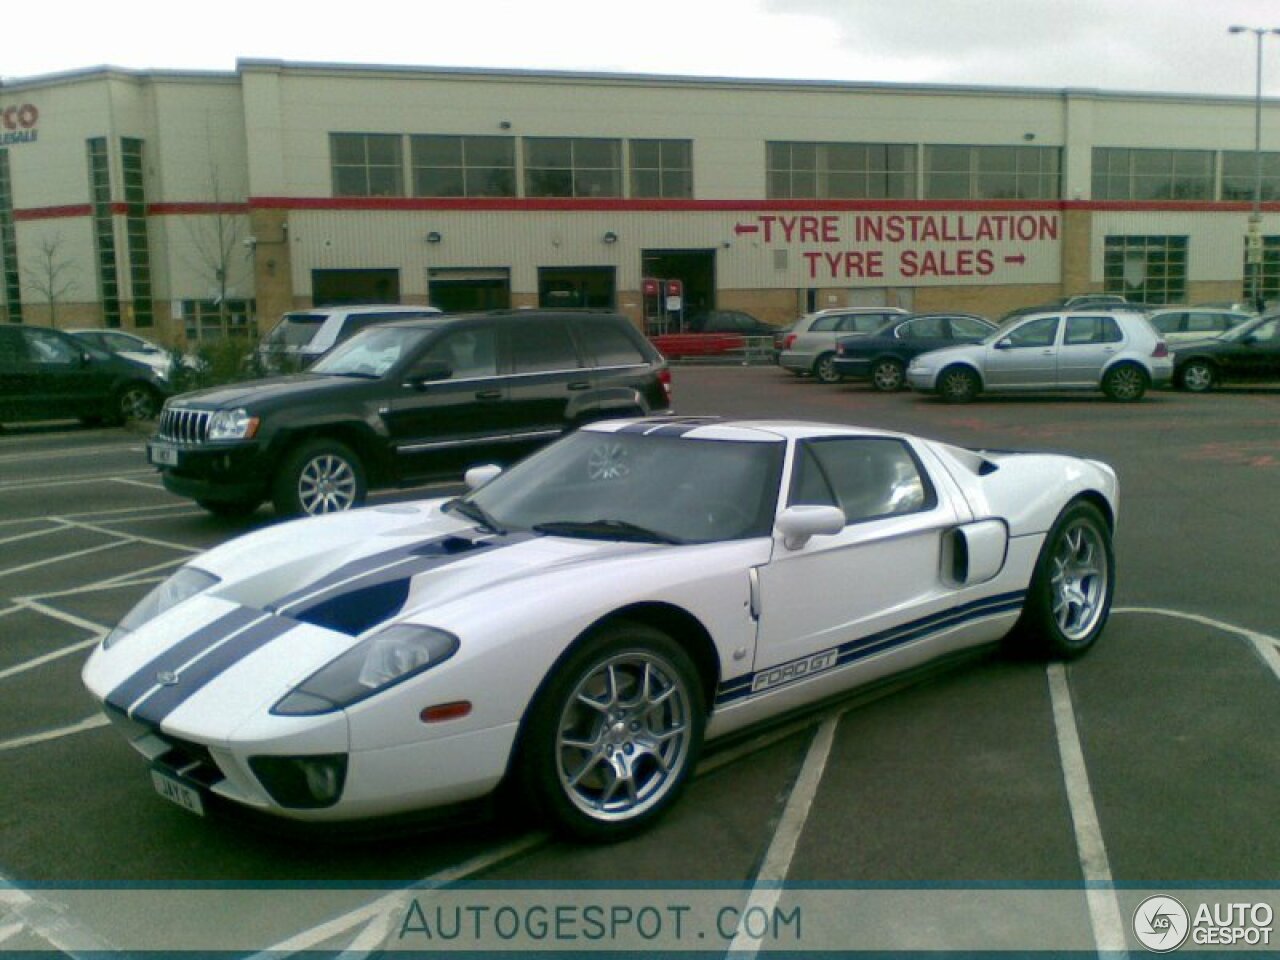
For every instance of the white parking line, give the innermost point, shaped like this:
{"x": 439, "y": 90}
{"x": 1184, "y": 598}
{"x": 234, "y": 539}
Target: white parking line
{"x": 131, "y": 537}
{"x": 98, "y": 514}
{"x": 1100, "y": 894}
{"x": 1267, "y": 647}
{"x": 138, "y": 483}
{"x": 71, "y": 482}
{"x": 768, "y": 886}
{"x": 67, "y": 453}
{"x": 89, "y": 723}
{"x": 33, "y": 534}
{"x": 68, "y": 556}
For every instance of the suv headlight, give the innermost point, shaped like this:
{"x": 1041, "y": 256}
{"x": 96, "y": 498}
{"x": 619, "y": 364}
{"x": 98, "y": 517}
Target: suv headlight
{"x": 232, "y": 425}
{"x": 374, "y": 664}
{"x": 183, "y": 585}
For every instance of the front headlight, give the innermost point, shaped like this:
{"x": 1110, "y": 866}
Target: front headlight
{"x": 372, "y": 665}
{"x": 232, "y": 425}
{"x": 183, "y": 585}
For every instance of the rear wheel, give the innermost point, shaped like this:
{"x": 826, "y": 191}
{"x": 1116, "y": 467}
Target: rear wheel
{"x": 319, "y": 476}
{"x": 614, "y": 735}
{"x": 887, "y": 375}
{"x": 958, "y": 385}
{"x": 1072, "y": 586}
{"x": 1125, "y": 383}
{"x": 824, "y": 369}
{"x": 1198, "y": 376}
{"x": 136, "y": 401}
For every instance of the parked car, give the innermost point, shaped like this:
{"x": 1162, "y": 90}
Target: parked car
{"x": 1249, "y": 352}
{"x": 304, "y": 336}
{"x": 578, "y": 625}
{"x": 132, "y": 347}
{"x": 1115, "y": 351}
{"x": 404, "y": 400}
{"x": 882, "y": 357}
{"x": 810, "y": 347}
{"x": 1186, "y": 324}
{"x": 1076, "y": 302}
{"x": 48, "y": 374}
{"x": 713, "y": 333}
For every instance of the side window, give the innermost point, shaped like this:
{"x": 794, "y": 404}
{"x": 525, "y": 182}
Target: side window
{"x": 861, "y": 322}
{"x": 46, "y": 348}
{"x": 607, "y": 345}
{"x": 867, "y": 477}
{"x": 1267, "y": 332}
{"x": 1035, "y": 333}
{"x": 1206, "y": 322}
{"x": 929, "y": 327}
{"x": 470, "y": 354}
{"x": 827, "y": 324}
{"x": 1172, "y": 322}
{"x": 967, "y": 327}
{"x": 541, "y": 346}
{"x": 1091, "y": 330}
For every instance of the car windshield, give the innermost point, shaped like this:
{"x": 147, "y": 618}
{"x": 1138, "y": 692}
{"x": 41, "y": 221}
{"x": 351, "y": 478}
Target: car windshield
{"x": 640, "y": 487}
{"x": 371, "y": 352}
{"x": 294, "y": 330}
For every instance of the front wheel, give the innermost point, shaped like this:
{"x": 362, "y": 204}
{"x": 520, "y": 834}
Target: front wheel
{"x": 958, "y": 385}
{"x": 1125, "y": 383}
{"x": 888, "y": 375}
{"x": 136, "y": 401}
{"x": 824, "y": 369}
{"x": 1197, "y": 377}
{"x": 317, "y": 477}
{"x": 1072, "y": 586}
{"x": 614, "y": 735}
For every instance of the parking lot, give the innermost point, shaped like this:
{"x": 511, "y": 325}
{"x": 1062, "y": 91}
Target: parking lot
{"x": 1154, "y": 760}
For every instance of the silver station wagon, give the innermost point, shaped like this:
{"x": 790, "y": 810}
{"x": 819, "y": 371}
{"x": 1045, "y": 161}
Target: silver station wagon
{"x": 1115, "y": 351}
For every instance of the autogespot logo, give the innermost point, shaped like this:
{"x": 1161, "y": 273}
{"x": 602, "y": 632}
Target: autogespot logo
{"x": 1161, "y": 924}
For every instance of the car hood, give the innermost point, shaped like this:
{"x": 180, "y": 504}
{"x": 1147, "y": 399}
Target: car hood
{"x": 1200, "y": 343}
{"x": 248, "y": 392}
{"x": 287, "y": 605}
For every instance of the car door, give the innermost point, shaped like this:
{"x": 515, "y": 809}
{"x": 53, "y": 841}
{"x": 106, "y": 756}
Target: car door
{"x": 70, "y": 379}
{"x": 449, "y": 411}
{"x": 1026, "y": 356}
{"x": 20, "y": 391}
{"x": 547, "y": 374}
{"x": 1088, "y": 345}
{"x": 881, "y": 571}
{"x": 1258, "y": 355}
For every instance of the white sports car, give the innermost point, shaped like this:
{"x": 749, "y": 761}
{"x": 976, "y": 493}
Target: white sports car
{"x": 582, "y": 622}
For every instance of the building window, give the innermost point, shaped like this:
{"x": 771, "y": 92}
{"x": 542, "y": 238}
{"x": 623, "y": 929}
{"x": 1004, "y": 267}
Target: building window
{"x": 207, "y": 321}
{"x": 463, "y": 166}
{"x": 104, "y": 238}
{"x": 9, "y": 245}
{"x": 1146, "y": 269}
{"x": 137, "y": 246}
{"x": 1123, "y": 174}
{"x": 572, "y": 167}
{"x": 1239, "y": 175}
{"x": 875, "y": 171}
{"x": 992, "y": 173}
{"x": 366, "y": 164}
{"x": 661, "y": 168}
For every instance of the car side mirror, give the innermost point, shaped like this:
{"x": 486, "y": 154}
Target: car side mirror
{"x": 477, "y": 477}
{"x": 798, "y": 524}
{"x": 430, "y": 372}
{"x": 1005, "y": 344}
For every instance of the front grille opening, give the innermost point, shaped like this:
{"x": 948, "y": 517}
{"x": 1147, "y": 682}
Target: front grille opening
{"x": 190, "y": 761}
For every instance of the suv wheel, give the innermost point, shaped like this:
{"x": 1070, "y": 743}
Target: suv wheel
{"x": 319, "y": 476}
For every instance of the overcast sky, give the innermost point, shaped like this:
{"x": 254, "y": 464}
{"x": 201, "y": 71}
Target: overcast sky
{"x": 1150, "y": 45}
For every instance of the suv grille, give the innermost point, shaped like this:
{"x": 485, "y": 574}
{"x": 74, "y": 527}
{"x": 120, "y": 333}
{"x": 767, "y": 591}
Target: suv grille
{"x": 184, "y": 426}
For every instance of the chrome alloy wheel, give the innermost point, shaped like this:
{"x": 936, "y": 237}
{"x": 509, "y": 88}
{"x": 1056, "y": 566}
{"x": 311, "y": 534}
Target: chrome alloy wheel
{"x": 1080, "y": 580}
{"x": 1197, "y": 376}
{"x": 887, "y": 375}
{"x": 1126, "y": 382}
{"x": 327, "y": 484}
{"x": 624, "y": 736}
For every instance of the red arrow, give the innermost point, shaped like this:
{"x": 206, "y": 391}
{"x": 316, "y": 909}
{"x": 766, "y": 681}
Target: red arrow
{"x": 741, "y": 228}
{"x": 1017, "y": 258}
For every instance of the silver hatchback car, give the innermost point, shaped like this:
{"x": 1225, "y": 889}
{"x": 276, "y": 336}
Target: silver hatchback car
{"x": 810, "y": 346}
{"x": 1115, "y": 351}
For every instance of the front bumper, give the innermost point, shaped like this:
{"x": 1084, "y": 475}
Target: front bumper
{"x": 922, "y": 378}
{"x": 216, "y": 472}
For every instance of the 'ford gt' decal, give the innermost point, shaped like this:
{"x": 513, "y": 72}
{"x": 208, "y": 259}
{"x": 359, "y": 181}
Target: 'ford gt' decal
{"x": 805, "y": 667}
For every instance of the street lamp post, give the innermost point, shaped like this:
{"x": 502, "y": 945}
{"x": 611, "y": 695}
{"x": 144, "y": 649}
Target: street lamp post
{"x": 1253, "y": 240}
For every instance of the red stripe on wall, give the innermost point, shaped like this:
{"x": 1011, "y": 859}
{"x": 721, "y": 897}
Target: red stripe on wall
{"x": 54, "y": 213}
{"x": 173, "y": 209}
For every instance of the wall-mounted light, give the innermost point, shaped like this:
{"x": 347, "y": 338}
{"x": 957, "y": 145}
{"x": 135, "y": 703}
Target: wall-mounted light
{"x": 434, "y": 237}
{"x": 504, "y": 124}
{"x": 1028, "y": 137}
{"x": 610, "y": 237}
{"x": 250, "y": 243}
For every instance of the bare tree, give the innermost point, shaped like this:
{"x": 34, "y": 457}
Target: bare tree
{"x": 217, "y": 241}
{"x": 50, "y": 277}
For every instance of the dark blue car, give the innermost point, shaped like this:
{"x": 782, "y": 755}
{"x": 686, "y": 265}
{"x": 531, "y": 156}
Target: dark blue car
{"x": 882, "y": 356}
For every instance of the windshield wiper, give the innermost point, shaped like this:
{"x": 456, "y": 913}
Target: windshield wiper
{"x": 473, "y": 511}
{"x": 604, "y": 529}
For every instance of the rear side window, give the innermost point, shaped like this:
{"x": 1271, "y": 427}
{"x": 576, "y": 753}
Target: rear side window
{"x": 541, "y": 346}
{"x": 1210, "y": 322}
{"x": 607, "y": 345}
{"x": 866, "y": 477}
{"x": 1087, "y": 330}
{"x": 1169, "y": 322}
{"x": 924, "y": 327}
{"x": 295, "y": 330}
{"x": 826, "y": 324}
{"x": 862, "y": 322}
{"x": 355, "y": 322}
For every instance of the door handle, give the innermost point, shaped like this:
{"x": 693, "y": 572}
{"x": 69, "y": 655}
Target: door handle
{"x": 580, "y": 385}
{"x": 488, "y": 394}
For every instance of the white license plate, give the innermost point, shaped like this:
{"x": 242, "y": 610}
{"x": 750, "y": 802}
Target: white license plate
{"x": 162, "y": 455}
{"x": 178, "y": 793}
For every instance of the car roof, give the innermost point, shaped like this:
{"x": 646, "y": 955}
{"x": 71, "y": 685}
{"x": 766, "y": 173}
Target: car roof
{"x": 716, "y": 428}
{"x": 365, "y": 308}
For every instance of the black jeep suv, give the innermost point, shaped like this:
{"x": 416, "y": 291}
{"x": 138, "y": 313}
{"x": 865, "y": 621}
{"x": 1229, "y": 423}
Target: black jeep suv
{"x": 405, "y": 401}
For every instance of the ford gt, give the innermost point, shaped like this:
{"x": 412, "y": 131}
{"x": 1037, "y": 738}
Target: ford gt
{"x": 577, "y": 626}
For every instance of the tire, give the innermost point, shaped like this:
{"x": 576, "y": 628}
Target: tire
{"x": 135, "y": 401}
{"x": 824, "y": 369}
{"x": 229, "y": 509}
{"x": 317, "y": 477}
{"x": 958, "y": 385}
{"x": 1071, "y": 588}
{"x": 1197, "y": 376}
{"x": 1125, "y": 383}
{"x": 888, "y": 375}
{"x": 577, "y": 758}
